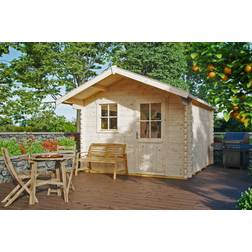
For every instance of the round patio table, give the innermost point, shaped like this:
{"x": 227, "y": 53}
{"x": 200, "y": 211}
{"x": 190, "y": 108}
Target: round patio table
{"x": 61, "y": 181}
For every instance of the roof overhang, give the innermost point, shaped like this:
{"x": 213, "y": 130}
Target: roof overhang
{"x": 111, "y": 76}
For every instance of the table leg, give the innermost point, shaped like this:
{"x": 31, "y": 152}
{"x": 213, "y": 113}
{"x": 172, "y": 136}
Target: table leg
{"x": 33, "y": 199}
{"x": 58, "y": 179}
{"x": 64, "y": 180}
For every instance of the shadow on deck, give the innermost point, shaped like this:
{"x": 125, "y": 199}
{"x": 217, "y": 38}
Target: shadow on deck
{"x": 213, "y": 188}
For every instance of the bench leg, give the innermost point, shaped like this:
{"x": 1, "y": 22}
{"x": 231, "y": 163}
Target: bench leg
{"x": 126, "y": 166}
{"x": 115, "y": 168}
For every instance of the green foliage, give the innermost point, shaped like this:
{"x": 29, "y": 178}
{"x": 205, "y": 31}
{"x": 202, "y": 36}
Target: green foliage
{"x": 4, "y": 48}
{"x": 46, "y": 121}
{"x": 230, "y": 87}
{"x": 14, "y": 128}
{"x": 11, "y": 145}
{"x": 49, "y": 121}
{"x": 250, "y": 169}
{"x": 41, "y": 71}
{"x": 245, "y": 201}
{"x": 28, "y": 79}
{"x": 232, "y": 125}
{"x": 33, "y": 147}
{"x": 78, "y": 62}
{"x": 162, "y": 61}
{"x": 66, "y": 141}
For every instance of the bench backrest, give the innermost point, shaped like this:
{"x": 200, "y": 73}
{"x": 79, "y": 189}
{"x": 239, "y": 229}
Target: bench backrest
{"x": 107, "y": 150}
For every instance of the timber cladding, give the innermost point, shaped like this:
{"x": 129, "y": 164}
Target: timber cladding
{"x": 172, "y": 155}
{"x": 165, "y": 141}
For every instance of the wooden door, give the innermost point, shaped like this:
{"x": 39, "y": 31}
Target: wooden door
{"x": 150, "y": 138}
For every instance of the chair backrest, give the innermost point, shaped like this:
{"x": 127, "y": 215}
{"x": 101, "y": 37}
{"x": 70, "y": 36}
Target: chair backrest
{"x": 107, "y": 150}
{"x": 72, "y": 151}
{"x": 9, "y": 165}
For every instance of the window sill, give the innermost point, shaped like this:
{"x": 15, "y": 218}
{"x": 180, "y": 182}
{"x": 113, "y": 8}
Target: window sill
{"x": 108, "y": 131}
{"x": 150, "y": 140}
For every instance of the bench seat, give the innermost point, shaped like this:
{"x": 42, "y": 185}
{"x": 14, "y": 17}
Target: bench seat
{"x": 108, "y": 154}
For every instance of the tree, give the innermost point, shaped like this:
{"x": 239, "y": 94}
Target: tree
{"x": 78, "y": 62}
{"x": 49, "y": 121}
{"x": 5, "y": 85}
{"x": 226, "y": 70}
{"x": 4, "y": 48}
{"x": 166, "y": 62}
{"x": 43, "y": 70}
{"x": 43, "y": 121}
{"x": 28, "y": 80}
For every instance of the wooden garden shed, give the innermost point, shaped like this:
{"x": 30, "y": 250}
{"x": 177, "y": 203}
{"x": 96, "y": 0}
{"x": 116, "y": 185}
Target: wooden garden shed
{"x": 167, "y": 131}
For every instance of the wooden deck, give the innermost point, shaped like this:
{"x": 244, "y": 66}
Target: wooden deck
{"x": 213, "y": 188}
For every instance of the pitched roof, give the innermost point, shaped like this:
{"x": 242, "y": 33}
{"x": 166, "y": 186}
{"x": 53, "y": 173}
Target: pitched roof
{"x": 113, "y": 74}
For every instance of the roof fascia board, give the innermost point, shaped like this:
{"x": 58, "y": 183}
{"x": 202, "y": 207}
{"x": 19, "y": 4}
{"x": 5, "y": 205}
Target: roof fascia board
{"x": 84, "y": 86}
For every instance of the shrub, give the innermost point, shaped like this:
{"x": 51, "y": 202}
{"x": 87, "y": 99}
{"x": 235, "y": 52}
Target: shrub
{"x": 11, "y": 145}
{"x": 32, "y": 147}
{"x": 50, "y": 145}
{"x": 250, "y": 169}
{"x": 245, "y": 201}
{"x": 66, "y": 141}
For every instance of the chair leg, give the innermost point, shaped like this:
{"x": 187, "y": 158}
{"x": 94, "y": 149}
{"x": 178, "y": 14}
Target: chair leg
{"x": 10, "y": 194}
{"x": 58, "y": 190}
{"x": 76, "y": 171}
{"x": 72, "y": 186}
{"x": 23, "y": 188}
{"x": 64, "y": 181}
{"x": 69, "y": 182}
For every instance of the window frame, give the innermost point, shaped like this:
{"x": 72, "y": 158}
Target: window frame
{"x": 108, "y": 117}
{"x": 150, "y": 139}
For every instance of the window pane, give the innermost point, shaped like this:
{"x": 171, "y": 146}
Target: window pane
{"x": 156, "y": 111}
{"x": 155, "y": 129}
{"x": 104, "y": 110}
{"x": 144, "y": 111}
{"x": 144, "y": 129}
{"x": 113, "y": 109}
{"x": 113, "y": 123}
{"x": 104, "y": 123}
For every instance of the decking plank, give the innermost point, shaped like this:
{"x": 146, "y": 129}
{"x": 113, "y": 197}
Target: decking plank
{"x": 213, "y": 188}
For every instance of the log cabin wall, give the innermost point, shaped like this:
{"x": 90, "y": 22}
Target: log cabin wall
{"x": 165, "y": 157}
{"x": 202, "y": 129}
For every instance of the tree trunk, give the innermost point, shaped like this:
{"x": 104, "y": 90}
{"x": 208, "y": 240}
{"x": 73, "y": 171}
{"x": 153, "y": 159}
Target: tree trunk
{"x": 78, "y": 111}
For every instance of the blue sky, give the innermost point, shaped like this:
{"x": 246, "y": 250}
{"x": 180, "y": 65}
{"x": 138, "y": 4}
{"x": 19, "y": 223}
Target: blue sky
{"x": 65, "y": 110}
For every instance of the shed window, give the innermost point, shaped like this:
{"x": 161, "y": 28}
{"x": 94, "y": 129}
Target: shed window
{"x": 150, "y": 120}
{"x": 109, "y": 116}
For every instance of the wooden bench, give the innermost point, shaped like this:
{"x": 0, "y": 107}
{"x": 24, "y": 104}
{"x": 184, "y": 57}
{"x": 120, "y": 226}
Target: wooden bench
{"x": 107, "y": 153}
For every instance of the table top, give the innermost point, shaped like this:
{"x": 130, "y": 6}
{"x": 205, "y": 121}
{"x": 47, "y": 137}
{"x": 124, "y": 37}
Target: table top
{"x": 65, "y": 157}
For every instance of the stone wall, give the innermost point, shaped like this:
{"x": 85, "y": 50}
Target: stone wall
{"x": 19, "y": 162}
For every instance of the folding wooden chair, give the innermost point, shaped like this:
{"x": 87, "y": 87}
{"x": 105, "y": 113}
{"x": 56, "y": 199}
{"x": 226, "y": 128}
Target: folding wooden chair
{"x": 70, "y": 171}
{"x": 21, "y": 180}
